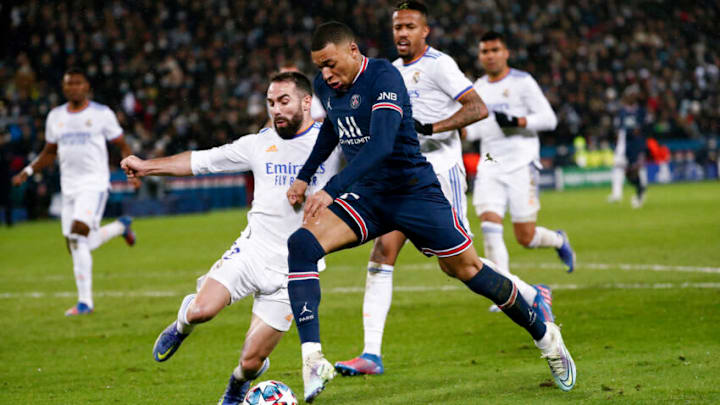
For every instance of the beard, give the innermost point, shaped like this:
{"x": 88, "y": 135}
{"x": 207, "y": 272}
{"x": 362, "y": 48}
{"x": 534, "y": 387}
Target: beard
{"x": 293, "y": 125}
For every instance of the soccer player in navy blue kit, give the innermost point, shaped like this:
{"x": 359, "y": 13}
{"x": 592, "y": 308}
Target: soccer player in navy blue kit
{"x": 387, "y": 185}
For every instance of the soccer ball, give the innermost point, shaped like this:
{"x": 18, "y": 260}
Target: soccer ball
{"x": 270, "y": 393}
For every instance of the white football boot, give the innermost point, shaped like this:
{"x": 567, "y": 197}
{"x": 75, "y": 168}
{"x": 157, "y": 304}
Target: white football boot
{"x": 558, "y": 357}
{"x": 317, "y": 372}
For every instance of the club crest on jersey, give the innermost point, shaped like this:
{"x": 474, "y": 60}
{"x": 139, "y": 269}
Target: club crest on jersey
{"x": 416, "y": 77}
{"x": 88, "y": 123}
{"x": 355, "y": 101}
{"x": 506, "y": 93}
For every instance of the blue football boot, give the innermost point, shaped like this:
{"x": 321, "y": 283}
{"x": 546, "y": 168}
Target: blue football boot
{"x": 566, "y": 252}
{"x": 542, "y": 305}
{"x": 80, "y": 308}
{"x": 167, "y": 343}
{"x": 364, "y": 364}
{"x": 128, "y": 233}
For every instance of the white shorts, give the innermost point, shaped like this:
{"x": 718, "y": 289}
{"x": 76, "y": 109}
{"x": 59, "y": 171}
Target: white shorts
{"x": 243, "y": 273}
{"x": 454, "y": 186}
{"x": 494, "y": 190}
{"x": 86, "y": 207}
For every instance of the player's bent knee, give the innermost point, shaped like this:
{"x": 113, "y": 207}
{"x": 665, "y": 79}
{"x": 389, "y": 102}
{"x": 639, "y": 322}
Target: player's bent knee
{"x": 251, "y": 365}
{"x": 303, "y": 248}
{"x": 463, "y": 266}
{"x": 524, "y": 239}
{"x": 200, "y": 312}
{"x": 80, "y": 228}
{"x": 384, "y": 251}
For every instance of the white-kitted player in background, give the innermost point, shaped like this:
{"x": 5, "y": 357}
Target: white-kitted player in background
{"x": 256, "y": 264}
{"x": 508, "y": 171}
{"x": 76, "y": 133}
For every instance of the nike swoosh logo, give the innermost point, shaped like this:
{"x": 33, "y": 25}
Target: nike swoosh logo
{"x": 162, "y": 356}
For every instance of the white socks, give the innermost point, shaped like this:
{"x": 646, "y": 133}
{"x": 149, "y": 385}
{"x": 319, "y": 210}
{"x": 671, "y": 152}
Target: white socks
{"x": 494, "y": 245}
{"x": 496, "y": 252}
{"x": 376, "y": 305}
{"x": 104, "y": 234}
{"x": 546, "y": 343}
{"x": 182, "y": 325}
{"x": 546, "y": 238}
{"x": 617, "y": 179}
{"x": 82, "y": 267}
{"x": 309, "y": 348}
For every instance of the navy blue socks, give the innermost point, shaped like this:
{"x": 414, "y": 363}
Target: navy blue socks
{"x": 304, "y": 251}
{"x": 503, "y": 292}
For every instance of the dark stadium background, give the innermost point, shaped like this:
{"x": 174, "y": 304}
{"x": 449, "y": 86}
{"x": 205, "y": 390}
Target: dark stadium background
{"x": 192, "y": 74}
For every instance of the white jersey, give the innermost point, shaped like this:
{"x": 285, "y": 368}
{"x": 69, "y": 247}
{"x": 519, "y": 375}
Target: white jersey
{"x": 81, "y": 145}
{"x": 435, "y": 84}
{"x": 274, "y": 162}
{"x": 317, "y": 111}
{"x": 517, "y": 95}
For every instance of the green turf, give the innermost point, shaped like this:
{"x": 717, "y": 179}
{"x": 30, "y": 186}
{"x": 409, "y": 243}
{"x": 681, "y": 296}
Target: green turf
{"x": 638, "y": 335}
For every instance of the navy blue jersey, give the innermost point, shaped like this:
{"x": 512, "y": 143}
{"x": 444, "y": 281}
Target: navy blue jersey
{"x": 372, "y": 121}
{"x": 631, "y": 119}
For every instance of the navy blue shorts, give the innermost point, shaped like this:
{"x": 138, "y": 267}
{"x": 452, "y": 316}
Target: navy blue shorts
{"x": 424, "y": 215}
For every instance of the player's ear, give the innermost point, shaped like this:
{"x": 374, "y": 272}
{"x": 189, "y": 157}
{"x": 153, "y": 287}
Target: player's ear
{"x": 306, "y": 102}
{"x": 354, "y": 49}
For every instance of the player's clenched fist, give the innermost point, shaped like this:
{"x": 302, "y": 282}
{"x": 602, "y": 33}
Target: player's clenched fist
{"x": 296, "y": 192}
{"x": 133, "y": 167}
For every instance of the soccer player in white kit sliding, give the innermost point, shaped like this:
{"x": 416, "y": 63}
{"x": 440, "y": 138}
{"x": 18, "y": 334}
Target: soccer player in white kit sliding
{"x": 257, "y": 263}
{"x": 76, "y": 132}
{"x": 508, "y": 168}
{"x": 443, "y": 101}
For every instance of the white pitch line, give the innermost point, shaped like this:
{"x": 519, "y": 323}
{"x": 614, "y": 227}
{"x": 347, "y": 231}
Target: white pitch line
{"x": 558, "y": 266}
{"x": 624, "y": 266}
{"x": 431, "y": 265}
{"x": 357, "y": 290}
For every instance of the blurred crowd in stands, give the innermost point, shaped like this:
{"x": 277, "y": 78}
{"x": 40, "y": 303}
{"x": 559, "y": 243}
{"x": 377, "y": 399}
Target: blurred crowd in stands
{"x": 189, "y": 74}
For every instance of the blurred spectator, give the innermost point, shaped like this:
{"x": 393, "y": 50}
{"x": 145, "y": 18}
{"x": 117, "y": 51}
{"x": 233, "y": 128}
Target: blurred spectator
{"x": 6, "y": 204}
{"x": 191, "y": 74}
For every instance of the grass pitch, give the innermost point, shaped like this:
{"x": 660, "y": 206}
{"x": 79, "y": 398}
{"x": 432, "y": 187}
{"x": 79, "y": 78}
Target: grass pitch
{"x": 640, "y": 314}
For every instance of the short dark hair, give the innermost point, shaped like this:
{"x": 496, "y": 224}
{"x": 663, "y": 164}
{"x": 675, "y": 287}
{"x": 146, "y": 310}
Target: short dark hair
{"x": 302, "y": 83}
{"x": 333, "y": 32}
{"x": 76, "y": 70}
{"x": 412, "y": 5}
{"x": 493, "y": 35}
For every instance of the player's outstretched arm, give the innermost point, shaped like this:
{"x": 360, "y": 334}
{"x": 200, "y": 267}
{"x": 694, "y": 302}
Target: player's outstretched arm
{"x": 44, "y": 159}
{"x": 473, "y": 109}
{"x": 176, "y": 165}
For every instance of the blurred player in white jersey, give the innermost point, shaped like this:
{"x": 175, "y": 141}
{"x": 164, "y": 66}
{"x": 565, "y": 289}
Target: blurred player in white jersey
{"x": 443, "y": 101}
{"x": 256, "y": 264}
{"x": 76, "y": 132}
{"x": 508, "y": 171}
